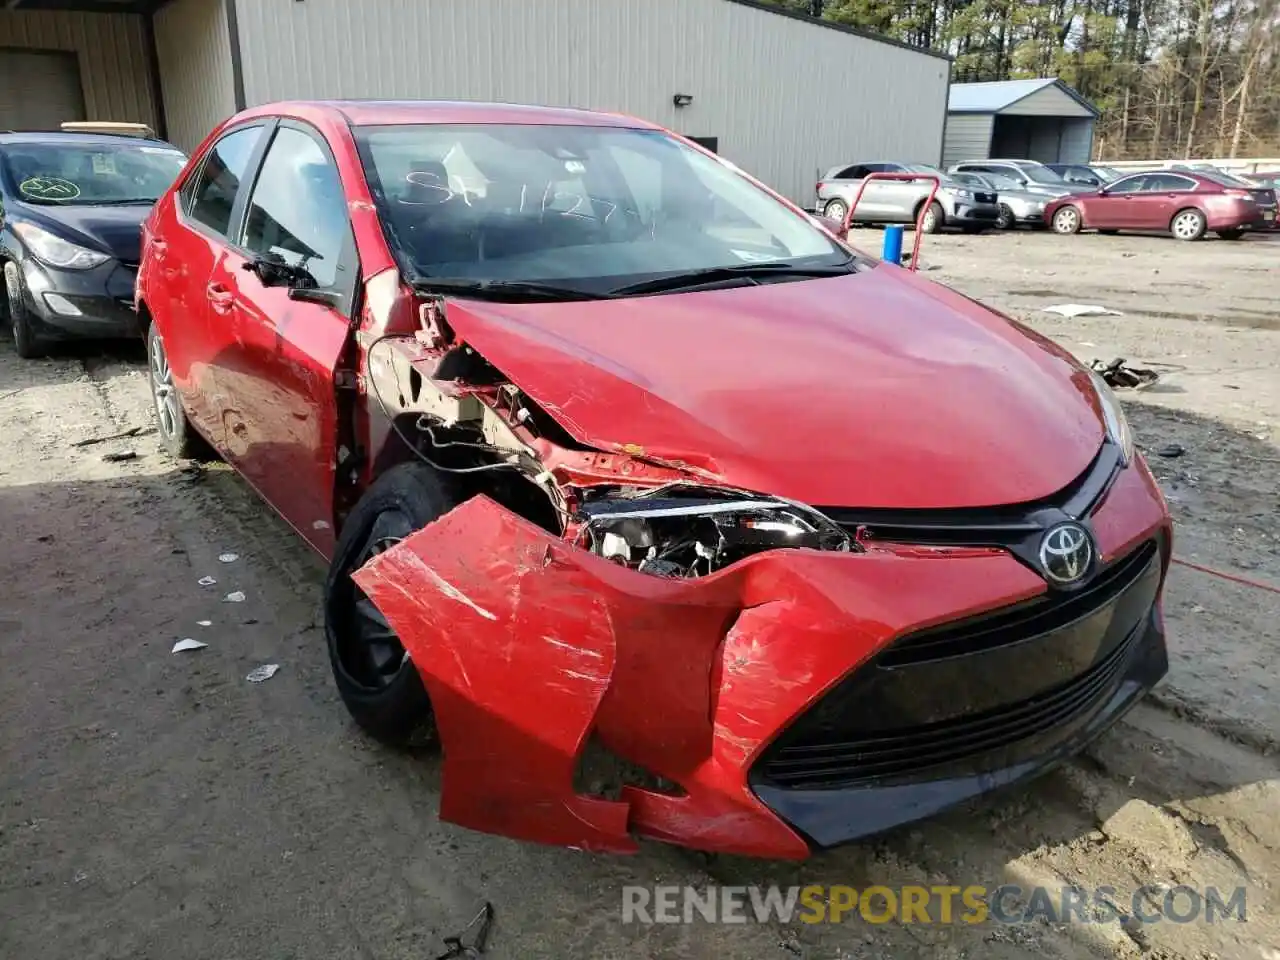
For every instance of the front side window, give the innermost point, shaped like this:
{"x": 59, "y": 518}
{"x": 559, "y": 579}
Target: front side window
{"x": 592, "y": 208}
{"x": 1129, "y": 185}
{"x": 1037, "y": 173}
{"x": 298, "y": 212}
{"x": 213, "y": 194}
{"x": 90, "y": 173}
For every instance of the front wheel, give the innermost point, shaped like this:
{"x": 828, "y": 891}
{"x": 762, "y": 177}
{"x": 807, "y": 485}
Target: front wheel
{"x": 1188, "y": 224}
{"x": 1005, "y": 219}
{"x": 1066, "y": 221}
{"x": 25, "y": 341}
{"x": 377, "y": 681}
{"x": 933, "y": 218}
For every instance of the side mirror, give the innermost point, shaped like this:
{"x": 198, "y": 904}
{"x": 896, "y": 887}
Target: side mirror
{"x": 270, "y": 271}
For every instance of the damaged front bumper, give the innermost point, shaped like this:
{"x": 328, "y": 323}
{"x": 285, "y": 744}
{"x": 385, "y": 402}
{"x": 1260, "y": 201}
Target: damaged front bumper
{"x": 796, "y": 699}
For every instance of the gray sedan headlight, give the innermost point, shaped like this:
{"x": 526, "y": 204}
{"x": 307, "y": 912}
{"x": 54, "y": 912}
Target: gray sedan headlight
{"x": 689, "y": 531}
{"x": 1113, "y": 415}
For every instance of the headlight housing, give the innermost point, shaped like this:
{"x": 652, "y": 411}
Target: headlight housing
{"x": 963, "y": 194}
{"x": 1113, "y": 415}
{"x": 690, "y": 531}
{"x": 56, "y": 252}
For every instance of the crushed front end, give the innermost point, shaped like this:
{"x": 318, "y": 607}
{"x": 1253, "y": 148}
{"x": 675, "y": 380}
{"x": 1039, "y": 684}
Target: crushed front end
{"x": 777, "y": 677}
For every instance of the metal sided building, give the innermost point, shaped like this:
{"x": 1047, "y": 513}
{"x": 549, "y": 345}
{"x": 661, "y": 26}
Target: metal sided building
{"x": 780, "y": 95}
{"x": 1041, "y": 119}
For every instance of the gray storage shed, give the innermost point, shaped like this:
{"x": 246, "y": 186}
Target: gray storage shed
{"x": 1041, "y": 119}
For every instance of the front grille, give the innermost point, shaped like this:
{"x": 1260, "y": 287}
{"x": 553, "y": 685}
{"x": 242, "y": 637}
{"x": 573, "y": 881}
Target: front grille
{"x": 985, "y": 197}
{"x": 1017, "y": 527}
{"x": 911, "y": 750}
{"x": 1022, "y": 622}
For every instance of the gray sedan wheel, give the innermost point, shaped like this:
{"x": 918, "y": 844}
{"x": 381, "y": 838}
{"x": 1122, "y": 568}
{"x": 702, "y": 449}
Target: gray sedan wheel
{"x": 836, "y": 210}
{"x": 1005, "y": 220}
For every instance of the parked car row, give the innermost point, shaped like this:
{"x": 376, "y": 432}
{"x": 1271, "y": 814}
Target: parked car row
{"x": 978, "y": 194}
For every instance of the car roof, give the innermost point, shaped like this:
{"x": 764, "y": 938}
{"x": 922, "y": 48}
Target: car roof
{"x": 14, "y": 137}
{"x": 361, "y": 113}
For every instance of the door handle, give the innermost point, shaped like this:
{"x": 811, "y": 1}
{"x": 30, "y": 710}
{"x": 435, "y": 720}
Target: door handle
{"x": 220, "y": 298}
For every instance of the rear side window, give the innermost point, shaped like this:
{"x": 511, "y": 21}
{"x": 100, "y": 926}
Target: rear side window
{"x": 298, "y": 212}
{"x": 214, "y": 194}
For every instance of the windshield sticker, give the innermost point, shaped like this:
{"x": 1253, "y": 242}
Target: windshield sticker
{"x": 104, "y": 164}
{"x": 49, "y": 188}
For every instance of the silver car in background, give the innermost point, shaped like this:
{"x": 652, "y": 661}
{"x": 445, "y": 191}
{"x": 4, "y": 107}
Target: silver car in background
{"x": 1020, "y": 204}
{"x": 901, "y": 201}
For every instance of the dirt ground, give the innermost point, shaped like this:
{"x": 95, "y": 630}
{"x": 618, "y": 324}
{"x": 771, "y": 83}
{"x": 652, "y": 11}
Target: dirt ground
{"x": 156, "y": 805}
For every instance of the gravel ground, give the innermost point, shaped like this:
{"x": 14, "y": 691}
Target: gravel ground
{"x": 158, "y": 805}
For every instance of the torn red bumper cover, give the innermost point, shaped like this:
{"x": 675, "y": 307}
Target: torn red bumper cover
{"x": 528, "y": 646}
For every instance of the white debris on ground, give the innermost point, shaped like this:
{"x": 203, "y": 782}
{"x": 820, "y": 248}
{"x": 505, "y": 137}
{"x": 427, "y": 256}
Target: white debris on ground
{"x": 263, "y": 673}
{"x": 1074, "y": 310}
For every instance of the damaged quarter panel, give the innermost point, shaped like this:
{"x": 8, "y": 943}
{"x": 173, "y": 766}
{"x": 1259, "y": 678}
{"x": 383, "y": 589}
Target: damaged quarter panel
{"x": 839, "y": 390}
{"x": 528, "y": 645}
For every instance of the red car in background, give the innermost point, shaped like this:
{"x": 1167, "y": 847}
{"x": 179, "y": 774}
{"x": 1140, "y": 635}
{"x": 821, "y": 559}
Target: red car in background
{"x": 606, "y": 443}
{"x": 1184, "y": 203}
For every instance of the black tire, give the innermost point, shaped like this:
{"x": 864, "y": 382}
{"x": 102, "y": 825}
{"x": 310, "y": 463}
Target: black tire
{"x": 934, "y": 218}
{"x": 1005, "y": 220}
{"x": 176, "y": 433}
{"x": 1067, "y": 220}
{"x": 836, "y": 210}
{"x": 378, "y": 683}
{"x": 1188, "y": 224}
{"x": 1230, "y": 234}
{"x": 25, "y": 341}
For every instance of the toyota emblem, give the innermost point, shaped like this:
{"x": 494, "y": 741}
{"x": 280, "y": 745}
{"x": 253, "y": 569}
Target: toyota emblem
{"x": 1066, "y": 553}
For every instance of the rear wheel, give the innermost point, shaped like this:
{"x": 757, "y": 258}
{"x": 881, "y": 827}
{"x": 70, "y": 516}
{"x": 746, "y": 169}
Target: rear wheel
{"x": 1188, "y": 224}
{"x": 377, "y": 681}
{"x": 1230, "y": 234}
{"x": 1005, "y": 220}
{"x": 933, "y": 218}
{"x": 1067, "y": 221}
{"x": 836, "y": 210}
{"x": 171, "y": 419}
{"x": 25, "y": 341}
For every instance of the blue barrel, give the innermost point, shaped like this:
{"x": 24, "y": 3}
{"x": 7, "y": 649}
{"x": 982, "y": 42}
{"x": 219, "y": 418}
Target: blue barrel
{"x": 893, "y": 243}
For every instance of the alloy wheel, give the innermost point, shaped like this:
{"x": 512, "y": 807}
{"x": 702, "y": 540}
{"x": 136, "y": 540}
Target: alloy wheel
{"x": 168, "y": 411}
{"x": 1187, "y": 225}
{"x": 1066, "y": 220}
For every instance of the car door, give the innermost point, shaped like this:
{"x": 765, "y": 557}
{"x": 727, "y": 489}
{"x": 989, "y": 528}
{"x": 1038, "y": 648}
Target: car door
{"x": 1118, "y": 207}
{"x": 187, "y": 242}
{"x": 277, "y": 377}
{"x": 1162, "y": 195}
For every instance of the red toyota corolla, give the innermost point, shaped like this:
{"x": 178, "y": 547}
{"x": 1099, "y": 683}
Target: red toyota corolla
{"x": 1184, "y": 203}
{"x": 607, "y": 443}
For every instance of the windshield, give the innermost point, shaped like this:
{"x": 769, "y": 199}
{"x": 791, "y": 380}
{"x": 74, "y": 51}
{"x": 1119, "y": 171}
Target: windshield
{"x": 589, "y": 208}
{"x": 86, "y": 174}
{"x": 1109, "y": 173}
{"x": 921, "y": 168}
{"x": 1041, "y": 174}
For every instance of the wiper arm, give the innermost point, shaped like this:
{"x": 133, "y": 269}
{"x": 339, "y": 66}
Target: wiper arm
{"x": 505, "y": 290}
{"x": 746, "y": 271}
{"x": 126, "y": 202}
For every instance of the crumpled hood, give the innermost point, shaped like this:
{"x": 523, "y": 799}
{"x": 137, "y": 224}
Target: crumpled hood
{"x": 877, "y": 389}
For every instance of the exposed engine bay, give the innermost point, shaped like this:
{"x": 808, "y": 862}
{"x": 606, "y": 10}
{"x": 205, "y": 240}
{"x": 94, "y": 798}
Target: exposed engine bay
{"x": 464, "y": 418}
